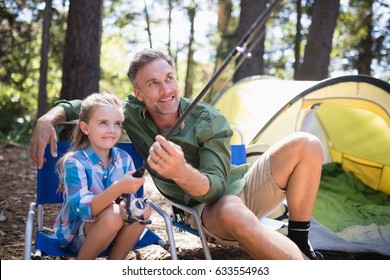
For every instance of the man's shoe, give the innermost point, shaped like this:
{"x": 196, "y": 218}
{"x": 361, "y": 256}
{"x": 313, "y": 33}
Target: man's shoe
{"x": 312, "y": 254}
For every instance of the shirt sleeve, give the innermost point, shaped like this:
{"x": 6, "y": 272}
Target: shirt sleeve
{"x": 215, "y": 159}
{"x": 76, "y": 188}
{"x": 72, "y": 108}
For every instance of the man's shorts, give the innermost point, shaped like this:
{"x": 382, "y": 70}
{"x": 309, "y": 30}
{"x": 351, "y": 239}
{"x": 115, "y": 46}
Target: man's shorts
{"x": 261, "y": 195}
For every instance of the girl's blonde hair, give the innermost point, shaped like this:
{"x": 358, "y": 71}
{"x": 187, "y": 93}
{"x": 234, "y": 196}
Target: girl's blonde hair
{"x": 79, "y": 140}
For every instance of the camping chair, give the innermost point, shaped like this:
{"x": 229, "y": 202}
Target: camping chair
{"x": 238, "y": 156}
{"x": 46, "y": 243}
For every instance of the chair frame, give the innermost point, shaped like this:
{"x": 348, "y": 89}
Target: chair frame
{"x": 47, "y": 183}
{"x": 238, "y": 156}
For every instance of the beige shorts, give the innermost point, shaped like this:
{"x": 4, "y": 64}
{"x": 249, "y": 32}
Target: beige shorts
{"x": 261, "y": 195}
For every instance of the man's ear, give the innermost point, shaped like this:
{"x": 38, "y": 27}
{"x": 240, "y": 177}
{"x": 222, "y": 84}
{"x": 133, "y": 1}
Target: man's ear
{"x": 84, "y": 127}
{"x": 138, "y": 94}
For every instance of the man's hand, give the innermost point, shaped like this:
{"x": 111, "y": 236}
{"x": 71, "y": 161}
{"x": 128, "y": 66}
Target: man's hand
{"x": 44, "y": 133}
{"x": 168, "y": 160}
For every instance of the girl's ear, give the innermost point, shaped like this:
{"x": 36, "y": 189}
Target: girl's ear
{"x": 84, "y": 127}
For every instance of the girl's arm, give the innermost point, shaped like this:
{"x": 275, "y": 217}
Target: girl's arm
{"x": 126, "y": 184}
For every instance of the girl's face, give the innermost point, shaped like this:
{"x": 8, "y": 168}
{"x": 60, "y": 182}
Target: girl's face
{"x": 104, "y": 127}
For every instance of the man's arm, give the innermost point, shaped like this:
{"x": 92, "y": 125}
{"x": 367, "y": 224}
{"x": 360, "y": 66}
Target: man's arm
{"x": 168, "y": 160}
{"x": 44, "y": 133}
{"x": 192, "y": 181}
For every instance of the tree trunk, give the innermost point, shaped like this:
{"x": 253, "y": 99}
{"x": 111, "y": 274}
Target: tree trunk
{"x": 148, "y": 24}
{"x": 298, "y": 38}
{"x": 170, "y": 7}
{"x": 190, "y": 58}
{"x": 365, "y": 43}
{"x": 319, "y": 42}
{"x": 81, "y": 64}
{"x": 224, "y": 46}
{"x": 42, "y": 95}
{"x": 250, "y": 10}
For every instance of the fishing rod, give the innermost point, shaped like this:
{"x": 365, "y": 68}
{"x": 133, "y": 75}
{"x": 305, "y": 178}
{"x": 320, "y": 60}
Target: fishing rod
{"x": 241, "y": 48}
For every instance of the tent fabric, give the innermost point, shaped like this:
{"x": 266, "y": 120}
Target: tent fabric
{"x": 344, "y": 201}
{"x": 252, "y": 102}
{"x": 373, "y": 241}
{"x": 266, "y": 110}
{"x": 351, "y": 117}
{"x": 349, "y": 216}
{"x": 366, "y": 159}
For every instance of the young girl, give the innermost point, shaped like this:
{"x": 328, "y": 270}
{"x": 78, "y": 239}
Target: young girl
{"x": 92, "y": 175}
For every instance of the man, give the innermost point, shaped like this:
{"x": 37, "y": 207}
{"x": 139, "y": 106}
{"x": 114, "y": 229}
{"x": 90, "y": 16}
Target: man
{"x": 193, "y": 167}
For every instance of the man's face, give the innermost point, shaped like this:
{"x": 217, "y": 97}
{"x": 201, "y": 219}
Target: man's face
{"x": 157, "y": 88}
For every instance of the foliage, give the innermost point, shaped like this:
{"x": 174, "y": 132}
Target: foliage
{"x": 20, "y": 30}
{"x": 352, "y": 29}
{"x": 18, "y": 65}
{"x": 124, "y": 34}
{"x": 114, "y": 67}
{"x": 15, "y": 115}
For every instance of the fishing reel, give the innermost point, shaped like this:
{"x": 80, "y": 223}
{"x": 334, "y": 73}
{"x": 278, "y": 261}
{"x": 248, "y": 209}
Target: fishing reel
{"x": 134, "y": 210}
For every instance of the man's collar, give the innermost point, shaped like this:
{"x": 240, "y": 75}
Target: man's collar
{"x": 182, "y": 108}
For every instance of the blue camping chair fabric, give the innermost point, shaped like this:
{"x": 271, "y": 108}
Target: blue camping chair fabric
{"x": 46, "y": 243}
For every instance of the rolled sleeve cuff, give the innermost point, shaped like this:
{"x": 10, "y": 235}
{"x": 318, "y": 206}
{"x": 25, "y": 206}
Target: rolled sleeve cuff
{"x": 84, "y": 209}
{"x": 71, "y": 108}
{"x": 215, "y": 192}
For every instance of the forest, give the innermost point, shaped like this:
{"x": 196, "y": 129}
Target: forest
{"x": 55, "y": 49}
{"x": 67, "y": 49}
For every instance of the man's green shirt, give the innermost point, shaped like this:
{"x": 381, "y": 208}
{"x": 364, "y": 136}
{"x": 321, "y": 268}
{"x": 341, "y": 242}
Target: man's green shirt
{"x": 204, "y": 138}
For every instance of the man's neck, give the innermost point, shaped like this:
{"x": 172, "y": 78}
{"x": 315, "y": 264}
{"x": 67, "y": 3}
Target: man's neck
{"x": 164, "y": 122}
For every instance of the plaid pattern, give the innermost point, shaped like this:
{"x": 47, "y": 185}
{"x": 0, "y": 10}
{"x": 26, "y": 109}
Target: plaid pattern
{"x": 84, "y": 177}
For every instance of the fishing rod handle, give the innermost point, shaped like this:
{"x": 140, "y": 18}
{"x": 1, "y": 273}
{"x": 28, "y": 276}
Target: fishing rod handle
{"x": 140, "y": 171}
{"x": 137, "y": 174}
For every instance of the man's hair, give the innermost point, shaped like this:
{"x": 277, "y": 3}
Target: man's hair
{"x": 143, "y": 57}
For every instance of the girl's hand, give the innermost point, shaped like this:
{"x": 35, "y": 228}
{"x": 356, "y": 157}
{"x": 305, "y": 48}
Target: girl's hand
{"x": 130, "y": 184}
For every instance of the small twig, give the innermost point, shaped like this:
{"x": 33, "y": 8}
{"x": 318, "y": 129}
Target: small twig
{"x": 13, "y": 245}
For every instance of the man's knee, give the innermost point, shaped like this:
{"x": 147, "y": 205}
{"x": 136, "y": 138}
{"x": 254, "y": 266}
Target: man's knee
{"x": 309, "y": 146}
{"x": 228, "y": 209}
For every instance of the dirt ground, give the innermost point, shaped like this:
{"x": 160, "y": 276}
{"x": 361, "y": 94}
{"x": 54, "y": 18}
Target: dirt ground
{"x": 17, "y": 191}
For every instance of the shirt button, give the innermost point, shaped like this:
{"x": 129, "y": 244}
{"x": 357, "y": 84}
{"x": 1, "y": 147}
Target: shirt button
{"x": 78, "y": 209}
{"x": 105, "y": 176}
